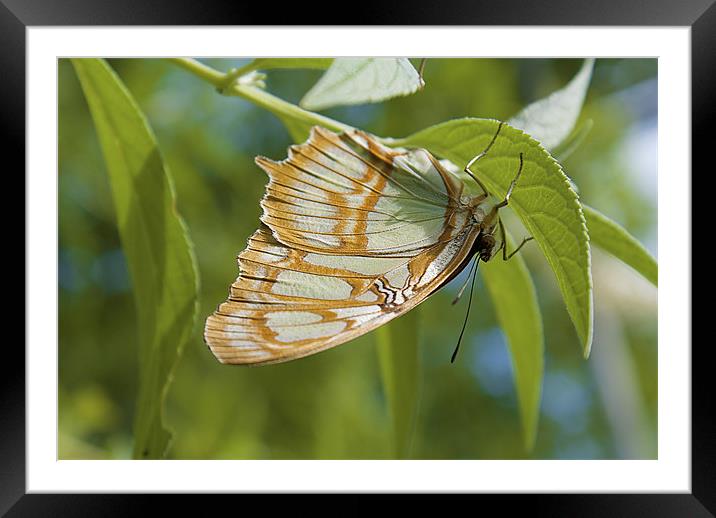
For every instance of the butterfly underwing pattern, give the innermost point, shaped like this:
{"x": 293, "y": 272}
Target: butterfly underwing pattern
{"x": 353, "y": 234}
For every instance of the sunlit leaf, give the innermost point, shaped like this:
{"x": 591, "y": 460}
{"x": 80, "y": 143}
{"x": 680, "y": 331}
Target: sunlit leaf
{"x": 515, "y": 300}
{"x": 399, "y": 358}
{"x": 362, "y": 80}
{"x": 543, "y": 199}
{"x": 155, "y": 242}
{"x": 613, "y": 238}
{"x": 551, "y": 120}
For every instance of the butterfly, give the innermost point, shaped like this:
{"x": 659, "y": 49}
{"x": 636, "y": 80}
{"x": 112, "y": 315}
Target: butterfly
{"x": 353, "y": 234}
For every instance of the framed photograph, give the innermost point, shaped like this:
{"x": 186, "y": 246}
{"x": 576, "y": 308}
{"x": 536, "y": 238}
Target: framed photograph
{"x": 421, "y": 259}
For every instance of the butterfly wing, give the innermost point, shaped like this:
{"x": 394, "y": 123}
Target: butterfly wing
{"x": 353, "y": 234}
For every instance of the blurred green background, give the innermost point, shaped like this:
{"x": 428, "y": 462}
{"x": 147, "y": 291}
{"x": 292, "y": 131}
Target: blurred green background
{"x": 332, "y": 405}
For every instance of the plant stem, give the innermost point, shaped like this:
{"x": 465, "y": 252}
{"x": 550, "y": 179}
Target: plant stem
{"x": 200, "y": 70}
{"x": 259, "y": 97}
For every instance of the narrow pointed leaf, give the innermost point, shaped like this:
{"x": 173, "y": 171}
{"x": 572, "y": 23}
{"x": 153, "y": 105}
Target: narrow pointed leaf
{"x": 297, "y": 63}
{"x": 154, "y": 240}
{"x": 515, "y": 300}
{"x": 297, "y": 128}
{"x": 399, "y": 358}
{"x": 571, "y": 143}
{"x": 362, "y": 80}
{"x": 551, "y": 120}
{"x": 613, "y": 238}
{"x": 543, "y": 199}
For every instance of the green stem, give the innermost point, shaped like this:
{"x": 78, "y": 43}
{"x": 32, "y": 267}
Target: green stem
{"x": 200, "y": 70}
{"x": 259, "y": 97}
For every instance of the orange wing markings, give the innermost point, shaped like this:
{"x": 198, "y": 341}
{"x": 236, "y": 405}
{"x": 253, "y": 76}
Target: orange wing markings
{"x": 327, "y": 225}
{"x": 451, "y": 186}
{"x": 370, "y": 161}
{"x": 353, "y": 234}
{"x": 245, "y": 330}
{"x": 347, "y": 178}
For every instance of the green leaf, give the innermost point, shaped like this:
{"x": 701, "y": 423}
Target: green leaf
{"x": 399, "y": 357}
{"x": 154, "y": 238}
{"x": 613, "y": 238}
{"x": 362, "y": 80}
{"x": 571, "y": 143}
{"x": 543, "y": 199}
{"x": 551, "y": 120}
{"x": 298, "y": 63}
{"x": 298, "y": 129}
{"x": 515, "y": 300}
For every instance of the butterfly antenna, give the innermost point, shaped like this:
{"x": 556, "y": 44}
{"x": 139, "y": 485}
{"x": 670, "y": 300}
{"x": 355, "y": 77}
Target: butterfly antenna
{"x": 421, "y": 68}
{"x": 467, "y": 314}
{"x": 464, "y": 285}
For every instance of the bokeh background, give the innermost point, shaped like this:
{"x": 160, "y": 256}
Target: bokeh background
{"x": 332, "y": 405}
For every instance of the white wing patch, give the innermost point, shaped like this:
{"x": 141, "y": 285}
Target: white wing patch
{"x": 398, "y": 277}
{"x": 368, "y": 266}
{"x": 312, "y": 332}
{"x": 282, "y": 318}
{"x": 300, "y": 284}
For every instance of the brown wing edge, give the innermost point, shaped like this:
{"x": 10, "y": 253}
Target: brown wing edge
{"x": 229, "y": 354}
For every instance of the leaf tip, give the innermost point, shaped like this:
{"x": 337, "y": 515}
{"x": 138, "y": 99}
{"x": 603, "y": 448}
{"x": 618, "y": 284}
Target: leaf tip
{"x": 588, "y": 345}
{"x": 529, "y": 443}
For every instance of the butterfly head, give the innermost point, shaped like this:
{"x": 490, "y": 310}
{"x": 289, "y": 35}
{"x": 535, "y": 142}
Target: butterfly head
{"x": 486, "y": 246}
{"x": 486, "y": 216}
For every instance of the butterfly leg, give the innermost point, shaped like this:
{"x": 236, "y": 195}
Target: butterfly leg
{"x": 478, "y": 157}
{"x": 504, "y": 202}
{"x": 505, "y": 255}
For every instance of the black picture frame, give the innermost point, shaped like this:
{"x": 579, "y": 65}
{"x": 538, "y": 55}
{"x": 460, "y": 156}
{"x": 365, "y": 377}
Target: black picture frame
{"x": 700, "y": 15}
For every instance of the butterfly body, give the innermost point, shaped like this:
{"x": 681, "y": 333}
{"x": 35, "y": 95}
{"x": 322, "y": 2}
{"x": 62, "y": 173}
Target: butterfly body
{"x": 353, "y": 234}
